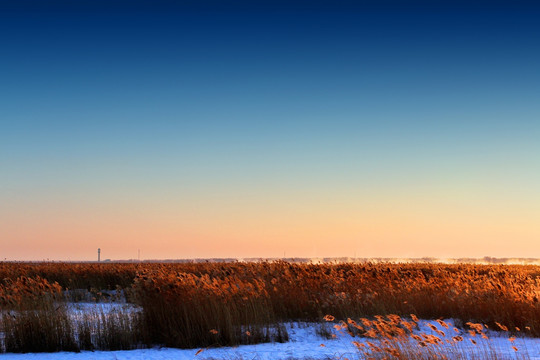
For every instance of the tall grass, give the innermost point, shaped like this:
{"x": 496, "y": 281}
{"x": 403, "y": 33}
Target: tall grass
{"x": 43, "y": 329}
{"x": 115, "y": 330}
{"x": 34, "y": 318}
{"x": 186, "y": 310}
{"x": 206, "y": 304}
{"x": 392, "y": 338}
{"x": 31, "y": 320}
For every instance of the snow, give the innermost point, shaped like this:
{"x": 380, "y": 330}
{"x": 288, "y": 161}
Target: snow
{"x": 304, "y": 344}
{"x": 80, "y": 308}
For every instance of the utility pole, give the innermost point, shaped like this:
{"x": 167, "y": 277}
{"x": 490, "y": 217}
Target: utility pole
{"x": 98, "y": 255}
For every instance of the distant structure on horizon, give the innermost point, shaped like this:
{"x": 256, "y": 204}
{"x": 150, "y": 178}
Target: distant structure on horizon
{"x": 99, "y": 255}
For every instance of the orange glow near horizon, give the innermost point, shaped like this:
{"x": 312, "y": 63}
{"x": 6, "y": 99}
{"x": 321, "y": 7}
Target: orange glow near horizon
{"x": 297, "y": 226}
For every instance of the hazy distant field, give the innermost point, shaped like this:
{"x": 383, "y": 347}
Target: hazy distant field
{"x": 47, "y": 307}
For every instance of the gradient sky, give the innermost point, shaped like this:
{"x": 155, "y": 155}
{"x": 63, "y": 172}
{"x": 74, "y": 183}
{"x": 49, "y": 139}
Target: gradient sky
{"x": 202, "y": 130}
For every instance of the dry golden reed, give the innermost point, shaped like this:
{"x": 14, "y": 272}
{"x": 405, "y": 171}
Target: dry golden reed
{"x": 206, "y": 304}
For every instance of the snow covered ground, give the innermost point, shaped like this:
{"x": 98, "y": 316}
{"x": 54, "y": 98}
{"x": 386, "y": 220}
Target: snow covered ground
{"x": 81, "y": 308}
{"x": 306, "y": 344}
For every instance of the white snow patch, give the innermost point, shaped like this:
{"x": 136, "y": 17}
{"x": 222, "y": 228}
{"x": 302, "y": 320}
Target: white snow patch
{"x": 304, "y": 343}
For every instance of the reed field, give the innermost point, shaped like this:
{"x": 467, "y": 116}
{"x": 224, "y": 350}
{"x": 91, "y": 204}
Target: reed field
{"x": 202, "y": 305}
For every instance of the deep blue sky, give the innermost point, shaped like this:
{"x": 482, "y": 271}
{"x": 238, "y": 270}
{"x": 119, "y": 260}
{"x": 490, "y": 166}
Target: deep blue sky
{"x": 104, "y": 98}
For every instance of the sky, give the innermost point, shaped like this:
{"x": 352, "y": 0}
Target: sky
{"x": 263, "y": 129}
